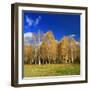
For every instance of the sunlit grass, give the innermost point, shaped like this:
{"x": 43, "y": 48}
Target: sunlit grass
{"x": 51, "y": 70}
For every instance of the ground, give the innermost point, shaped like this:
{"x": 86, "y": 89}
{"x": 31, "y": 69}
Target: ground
{"x": 51, "y": 70}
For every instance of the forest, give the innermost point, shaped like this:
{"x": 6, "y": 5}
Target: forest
{"x": 45, "y": 49}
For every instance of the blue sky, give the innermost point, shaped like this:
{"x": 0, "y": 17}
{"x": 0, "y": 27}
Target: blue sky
{"x": 60, "y": 24}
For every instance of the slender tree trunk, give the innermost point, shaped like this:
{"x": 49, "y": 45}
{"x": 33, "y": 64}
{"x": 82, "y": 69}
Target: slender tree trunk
{"x": 35, "y": 55}
{"x": 29, "y": 61}
{"x": 39, "y": 47}
{"x": 39, "y": 60}
{"x": 72, "y": 56}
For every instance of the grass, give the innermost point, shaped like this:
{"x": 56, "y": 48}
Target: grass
{"x": 51, "y": 70}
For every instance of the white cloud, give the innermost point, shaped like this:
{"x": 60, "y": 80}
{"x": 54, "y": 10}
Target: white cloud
{"x": 72, "y": 35}
{"x": 27, "y": 38}
{"x": 28, "y": 34}
{"x": 32, "y": 22}
{"x": 29, "y": 21}
{"x": 37, "y": 20}
{"x": 40, "y": 17}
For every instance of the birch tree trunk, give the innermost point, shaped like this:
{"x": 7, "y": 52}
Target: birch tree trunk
{"x": 72, "y": 55}
{"x": 39, "y": 47}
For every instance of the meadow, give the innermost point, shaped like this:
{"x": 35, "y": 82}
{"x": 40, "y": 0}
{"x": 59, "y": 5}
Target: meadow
{"x": 51, "y": 70}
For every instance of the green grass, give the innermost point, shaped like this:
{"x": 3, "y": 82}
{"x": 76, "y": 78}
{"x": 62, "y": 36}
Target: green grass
{"x": 51, "y": 70}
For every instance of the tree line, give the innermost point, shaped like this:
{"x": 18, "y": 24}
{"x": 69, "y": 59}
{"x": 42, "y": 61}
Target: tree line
{"x": 47, "y": 50}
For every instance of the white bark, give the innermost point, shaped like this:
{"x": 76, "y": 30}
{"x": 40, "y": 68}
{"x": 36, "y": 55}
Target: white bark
{"x": 39, "y": 47}
{"x": 72, "y": 55}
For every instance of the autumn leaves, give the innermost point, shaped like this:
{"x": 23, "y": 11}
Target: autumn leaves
{"x": 51, "y": 51}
